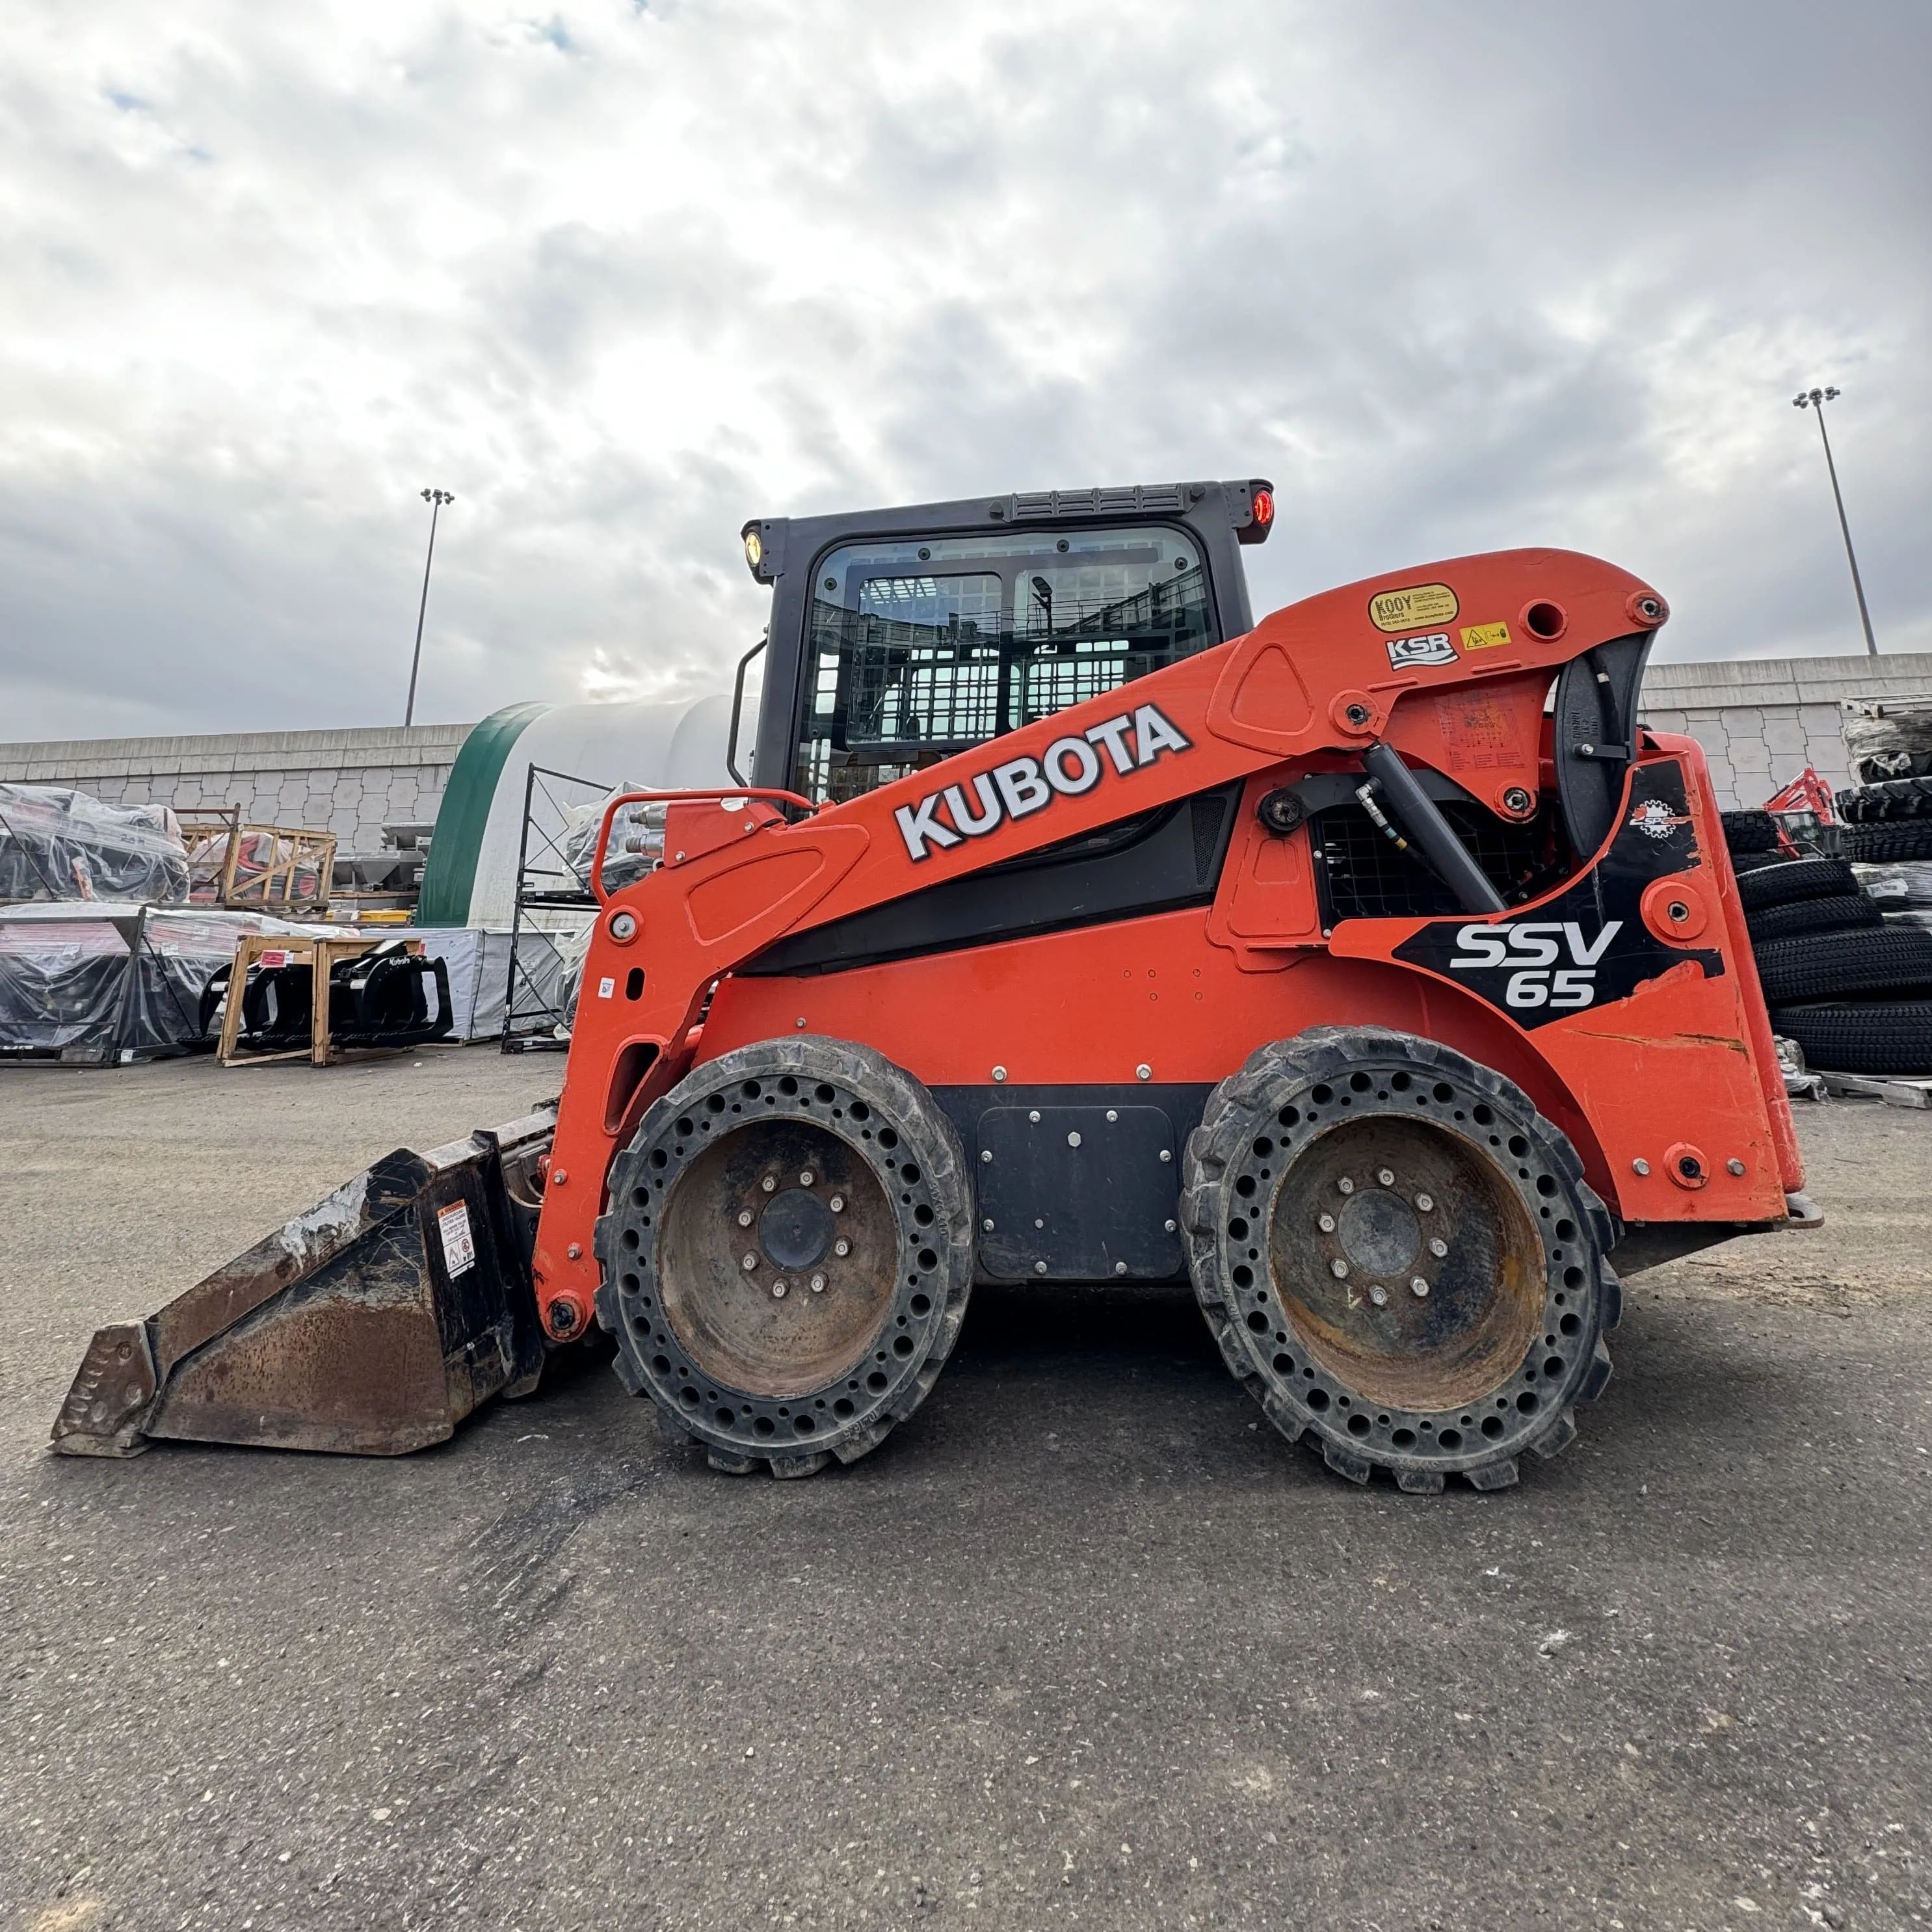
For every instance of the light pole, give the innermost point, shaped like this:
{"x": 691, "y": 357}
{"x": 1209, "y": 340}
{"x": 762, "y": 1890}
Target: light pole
{"x": 1816, "y": 400}
{"x": 436, "y": 499}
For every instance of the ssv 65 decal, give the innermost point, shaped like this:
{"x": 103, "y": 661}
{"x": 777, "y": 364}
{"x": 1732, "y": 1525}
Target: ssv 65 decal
{"x": 1069, "y": 767}
{"x": 1588, "y": 945}
{"x": 1530, "y": 949}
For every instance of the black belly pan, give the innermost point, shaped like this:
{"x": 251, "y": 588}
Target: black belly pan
{"x": 1077, "y": 1193}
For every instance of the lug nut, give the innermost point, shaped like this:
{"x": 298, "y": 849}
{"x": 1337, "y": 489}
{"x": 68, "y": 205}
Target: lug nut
{"x": 1340, "y": 1270}
{"x": 837, "y": 1203}
{"x": 1438, "y": 1246}
{"x": 1144, "y": 1072}
{"x": 744, "y": 1217}
{"x": 999, "y": 1073}
{"x": 1639, "y": 1165}
{"x": 778, "y": 1291}
{"x": 1734, "y": 1166}
{"x": 1073, "y": 1140}
{"x": 1386, "y": 1176}
{"x": 842, "y": 1247}
{"x": 1424, "y": 1202}
{"x": 749, "y": 1263}
{"x": 806, "y": 1176}
{"x": 1327, "y": 1224}
{"x": 1347, "y": 1186}
{"x": 1418, "y": 1286}
{"x": 818, "y": 1284}
{"x": 770, "y": 1183}
{"x": 1378, "y": 1295}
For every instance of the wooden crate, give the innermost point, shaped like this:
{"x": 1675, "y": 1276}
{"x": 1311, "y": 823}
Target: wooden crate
{"x": 257, "y": 949}
{"x": 292, "y": 850}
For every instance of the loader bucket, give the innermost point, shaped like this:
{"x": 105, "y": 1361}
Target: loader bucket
{"x": 370, "y": 1325}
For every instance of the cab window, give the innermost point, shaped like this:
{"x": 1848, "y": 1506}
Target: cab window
{"x": 917, "y": 649}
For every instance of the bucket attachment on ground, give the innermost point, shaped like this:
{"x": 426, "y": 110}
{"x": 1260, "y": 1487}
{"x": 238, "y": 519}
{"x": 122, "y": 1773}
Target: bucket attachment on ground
{"x": 370, "y": 1325}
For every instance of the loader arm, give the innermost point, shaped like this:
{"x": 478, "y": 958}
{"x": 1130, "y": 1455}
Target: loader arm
{"x": 1446, "y": 670}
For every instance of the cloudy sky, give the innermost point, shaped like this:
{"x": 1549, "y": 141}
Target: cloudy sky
{"x": 1458, "y": 276}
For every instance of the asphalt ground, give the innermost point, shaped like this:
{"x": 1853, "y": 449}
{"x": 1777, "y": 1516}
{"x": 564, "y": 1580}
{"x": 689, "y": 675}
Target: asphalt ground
{"x": 1085, "y": 1643}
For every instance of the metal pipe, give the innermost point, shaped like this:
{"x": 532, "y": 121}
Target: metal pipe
{"x": 1818, "y": 398}
{"x": 436, "y": 499}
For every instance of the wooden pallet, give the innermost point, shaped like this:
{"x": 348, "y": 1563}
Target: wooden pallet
{"x": 261, "y": 949}
{"x": 1895, "y": 1089}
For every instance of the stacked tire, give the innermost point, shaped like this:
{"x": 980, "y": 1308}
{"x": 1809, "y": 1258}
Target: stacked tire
{"x": 1854, "y": 992}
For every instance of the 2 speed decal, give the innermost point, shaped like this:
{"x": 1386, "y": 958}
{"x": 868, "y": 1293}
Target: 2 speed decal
{"x": 1530, "y": 951}
{"x": 1069, "y": 767}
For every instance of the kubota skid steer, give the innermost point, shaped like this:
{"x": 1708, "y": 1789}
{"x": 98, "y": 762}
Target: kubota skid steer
{"x": 1369, "y": 967}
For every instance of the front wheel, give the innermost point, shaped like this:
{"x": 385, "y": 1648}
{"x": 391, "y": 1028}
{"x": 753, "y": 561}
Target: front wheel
{"x": 1399, "y": 1256}
{"x": 786, "y": 1253}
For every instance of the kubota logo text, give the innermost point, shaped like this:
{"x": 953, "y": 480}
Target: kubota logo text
{"x": 1529, "y": 950}
{"x": 1069, "y": 766}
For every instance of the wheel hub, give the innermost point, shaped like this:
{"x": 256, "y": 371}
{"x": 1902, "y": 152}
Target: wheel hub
{"x": 1379, "y": 1233}
{"x": 795, "y": 1230}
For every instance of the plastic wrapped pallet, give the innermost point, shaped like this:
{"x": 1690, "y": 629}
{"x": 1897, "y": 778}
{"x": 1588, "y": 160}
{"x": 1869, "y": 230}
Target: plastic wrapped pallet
{"x": 1900, "y": 887}
{"x": 1887, "y": 737}
{"x": 67, "y": 992}
{"x": 57, "y": 844}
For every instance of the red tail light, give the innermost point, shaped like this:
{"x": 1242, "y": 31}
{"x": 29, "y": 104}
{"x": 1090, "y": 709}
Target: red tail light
{"x": 1263, "y": 507}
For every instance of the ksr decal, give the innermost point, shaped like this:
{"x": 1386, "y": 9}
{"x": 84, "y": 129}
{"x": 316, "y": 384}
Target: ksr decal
{"x": 1069, "y": 766}
{"x": 1531, "y": 948}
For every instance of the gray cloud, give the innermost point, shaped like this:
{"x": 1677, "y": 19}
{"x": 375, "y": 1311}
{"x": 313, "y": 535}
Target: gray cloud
{"x": 1458, "y": 278}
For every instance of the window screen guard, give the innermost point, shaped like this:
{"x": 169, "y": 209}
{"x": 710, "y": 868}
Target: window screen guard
{"x": 917, "y": 649}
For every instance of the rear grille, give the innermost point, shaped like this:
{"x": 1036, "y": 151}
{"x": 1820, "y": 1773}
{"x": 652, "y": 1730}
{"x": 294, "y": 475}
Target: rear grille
{"x": 1035, "y": 506}
{"x": 1362, "y": 875}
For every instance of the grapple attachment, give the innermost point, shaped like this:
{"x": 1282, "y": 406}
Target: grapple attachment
{"x": 370, "y": 1325}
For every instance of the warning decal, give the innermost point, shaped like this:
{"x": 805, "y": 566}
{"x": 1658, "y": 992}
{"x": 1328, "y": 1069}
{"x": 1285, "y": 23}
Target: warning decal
{"x": 1484, "y": 637}
{"x": 1412, "y": 608}
{"x": 1478, "y": 731}
{"x": 459, "y": 1248}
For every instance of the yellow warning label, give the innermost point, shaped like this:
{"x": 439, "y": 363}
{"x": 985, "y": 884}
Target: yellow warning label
{"x": 1414, "y": 609}
{"x": 1485, "y": 636}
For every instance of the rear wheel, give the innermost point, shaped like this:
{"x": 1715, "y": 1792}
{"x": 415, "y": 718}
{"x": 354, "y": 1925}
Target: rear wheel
{"x": 787, "y": 1253}
{"x": 1399, "y": 1256}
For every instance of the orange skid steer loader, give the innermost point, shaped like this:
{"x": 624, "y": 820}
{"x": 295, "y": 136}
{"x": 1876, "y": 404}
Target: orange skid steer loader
{"x": 1369, "y": 967}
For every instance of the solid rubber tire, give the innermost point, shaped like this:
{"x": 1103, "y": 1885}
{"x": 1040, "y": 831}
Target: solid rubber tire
{"x": 1882, "y": 844}
{"x": 1889, "y": 798}
{"x": 1751, "y": 831}
{"x": 1841, "y": 912}
{"x": 1870, "y": 1036}
{"x": 1800, "y": 879}
{"x": 680, "y": 1125}
{"x": 1821, "y": 965}
{"x": 1275, "y": 1096}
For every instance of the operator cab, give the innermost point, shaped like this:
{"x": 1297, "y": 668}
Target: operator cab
{"x": 899, "y": 638}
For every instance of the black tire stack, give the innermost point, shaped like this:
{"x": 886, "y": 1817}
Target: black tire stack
{"x": 1854, "y": 992}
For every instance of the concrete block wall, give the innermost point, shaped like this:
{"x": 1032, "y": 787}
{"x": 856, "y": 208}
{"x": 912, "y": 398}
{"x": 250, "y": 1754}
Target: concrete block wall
{"x": 1761, "y": 721}
{"x": 351, "y": 783}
